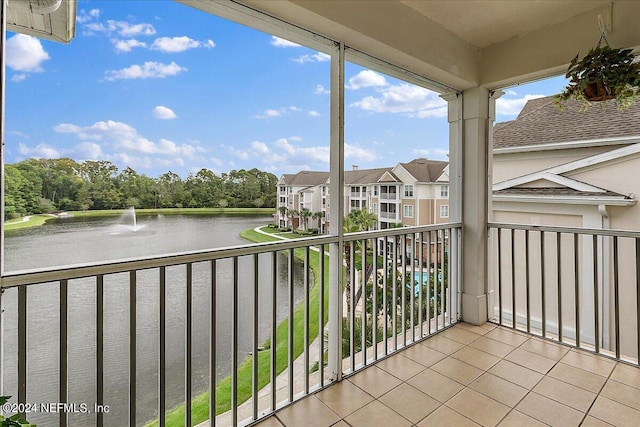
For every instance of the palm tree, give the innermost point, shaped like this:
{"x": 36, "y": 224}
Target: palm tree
{"x": 348, "y": 226}
{"x": 318, "y": 216}
{"x": 304, "y": 216}
{"x": 362, "y": 220}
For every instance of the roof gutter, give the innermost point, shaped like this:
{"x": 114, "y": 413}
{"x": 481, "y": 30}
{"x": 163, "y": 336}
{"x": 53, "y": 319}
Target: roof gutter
{"x": 569, "y": 145}
{"x": 593, "y": 200}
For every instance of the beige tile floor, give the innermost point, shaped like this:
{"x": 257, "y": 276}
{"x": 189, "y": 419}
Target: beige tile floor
{"x": 477, "y": 375}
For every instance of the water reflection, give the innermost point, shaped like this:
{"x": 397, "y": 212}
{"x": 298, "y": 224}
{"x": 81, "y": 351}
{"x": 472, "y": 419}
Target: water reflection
{"x": 88, "y": 241}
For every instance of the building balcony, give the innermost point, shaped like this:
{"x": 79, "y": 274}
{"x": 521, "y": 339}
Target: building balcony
{"x": 389, "y": 349}
{"x": 394, "y": 216}
{"x": 389, "y": 196}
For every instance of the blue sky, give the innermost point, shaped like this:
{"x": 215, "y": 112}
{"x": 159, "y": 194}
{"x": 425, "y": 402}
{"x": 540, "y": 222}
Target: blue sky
{"x": 159, "y": 86}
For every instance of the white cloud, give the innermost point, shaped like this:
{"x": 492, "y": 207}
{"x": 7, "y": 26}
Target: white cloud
{"x": 123, "y": 137}
{"x": 39, "y": 151}
{"x": 259, "y": 147}
{"x": 278, "y": 42}
{"x": 266, "y": 114}
{"x": 432, "y": 153}
{"x": 18, "y": 78}
{"x": 122, "y": 28}
{"x": 287, "y": 153}
{"x": 25, "y": 53}
{"x": 358, "y": 153}
{"x": 313, "y": 113}
{"x": 320, "y": 90}
{"x": 404, "y": 98}
{"x": 84, "y": 16}
{"x": 19, "y": 134}
{"x": 512, "y": 107}
{"x": 148, "y": 70}
{"x": 89, "y": 150}
{"x": 366, "y": 78}
{"x": 216, "y": 161}
{"x": 271, "y": 113}
{"x": 179, "y": 44}
{"x": 163, "y": 113}
{"x": 127, "y": 45}
{"x": 137, "y": 162}
{"x": 316, "y": 57}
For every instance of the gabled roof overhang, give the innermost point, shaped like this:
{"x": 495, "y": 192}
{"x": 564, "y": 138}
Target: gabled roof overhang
{"x": 46, "y": 19}
{"x": 572, "y": 200}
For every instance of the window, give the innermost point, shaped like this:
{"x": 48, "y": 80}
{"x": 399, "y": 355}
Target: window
{"x": 375, "y": 208}
{"x": 408, "y": 211}
{"x": 444, "y": 191}
{"x": 408, "y": 191}
{"x": 375, "y": 190}
{"x": 444, "y": 211}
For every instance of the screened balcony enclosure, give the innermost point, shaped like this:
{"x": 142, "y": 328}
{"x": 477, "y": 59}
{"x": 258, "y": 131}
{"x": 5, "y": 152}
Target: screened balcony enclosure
{"x": 506, "y": 321}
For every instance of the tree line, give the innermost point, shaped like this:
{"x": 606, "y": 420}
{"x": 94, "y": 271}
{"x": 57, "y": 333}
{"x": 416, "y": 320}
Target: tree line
{"x": 37, "y": 186}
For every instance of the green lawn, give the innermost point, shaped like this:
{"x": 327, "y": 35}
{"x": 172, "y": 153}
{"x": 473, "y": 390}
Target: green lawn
{"x": 34, "y": 221}
{"x": 200, "y": 404}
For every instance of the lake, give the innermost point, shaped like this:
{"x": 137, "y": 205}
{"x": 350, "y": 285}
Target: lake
{"x": 71, "y": 241}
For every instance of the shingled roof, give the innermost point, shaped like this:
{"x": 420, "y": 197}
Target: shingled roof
{"x": 424, "y": 170}
{"x": 364, "y": 176}
{"x": 541, "y": 123}
{"x": 306, "y": 178}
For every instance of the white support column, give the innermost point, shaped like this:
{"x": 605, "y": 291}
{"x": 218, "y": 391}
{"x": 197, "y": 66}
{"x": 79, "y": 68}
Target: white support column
{"x": 454, "y": 116}
{"x": 475, "y": 195}
{"x": 336, "y": 191}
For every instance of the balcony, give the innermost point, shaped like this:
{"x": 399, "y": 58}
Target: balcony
{"x": 549, "y": 357}
{"x": 275, "y": 296}
{"x": 389, "y": 196}
{"x": 389, "y": 215}
{"x": 413, "y": 349}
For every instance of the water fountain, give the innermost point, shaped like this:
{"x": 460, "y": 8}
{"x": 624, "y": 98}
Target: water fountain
{"x": 129, "y": 223}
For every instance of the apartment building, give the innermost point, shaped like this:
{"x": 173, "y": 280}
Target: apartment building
{"x": 303, "y": 190}
{"x": 407, "y": 194}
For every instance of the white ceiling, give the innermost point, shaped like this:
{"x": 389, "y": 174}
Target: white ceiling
{"x": 464, "y": 43}
{"x": 482, "y": 23}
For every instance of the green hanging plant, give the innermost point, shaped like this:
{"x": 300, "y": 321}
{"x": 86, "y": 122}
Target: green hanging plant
{"x": 605, "y": 73}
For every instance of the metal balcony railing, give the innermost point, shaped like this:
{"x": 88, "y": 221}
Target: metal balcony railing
{"x": 251, "y": 321}
{"x": 389, "y": 215}
{"x": 389, "y": 196}
{"x": 578, "y": 286}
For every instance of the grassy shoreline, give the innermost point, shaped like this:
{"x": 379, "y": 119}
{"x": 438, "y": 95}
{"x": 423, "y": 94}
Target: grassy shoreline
{"x": 39, "y": 220}
{"x": 200, "y": 404}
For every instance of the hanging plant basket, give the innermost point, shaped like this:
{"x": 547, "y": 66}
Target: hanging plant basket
{"x": 596, "y": 92}
{"x": 605, "y": 73}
